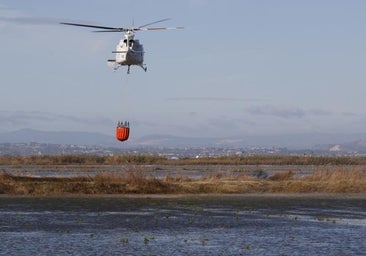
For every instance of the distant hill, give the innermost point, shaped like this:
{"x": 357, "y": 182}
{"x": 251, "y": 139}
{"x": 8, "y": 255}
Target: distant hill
{"x": 61, "y": 137}
{"x": 357, "y": 146}
{"x": 316, "y": 141}
{"x": 291, "y": 141}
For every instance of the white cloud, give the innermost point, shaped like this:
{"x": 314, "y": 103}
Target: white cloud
{"x": 287, "y": 112}
{"x": 213, "y": 99}
{"x": 278, "y": 111}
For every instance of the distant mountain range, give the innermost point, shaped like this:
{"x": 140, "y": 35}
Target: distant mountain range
{"x": 315, "y": 141}
{"x": 61, "y": 137}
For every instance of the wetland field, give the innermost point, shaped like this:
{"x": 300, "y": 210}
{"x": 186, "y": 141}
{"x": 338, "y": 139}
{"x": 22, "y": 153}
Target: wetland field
{"x": 274, "y": 224}
{"x": 148, "y": 205}
{"x": 142, "y": 174}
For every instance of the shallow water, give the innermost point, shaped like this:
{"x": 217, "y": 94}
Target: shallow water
{"x": 155, "y": 170}
{"x": 196, "y": 225}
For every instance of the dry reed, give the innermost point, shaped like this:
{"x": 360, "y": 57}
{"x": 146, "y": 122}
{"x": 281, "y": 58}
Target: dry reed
{"x": 340, "y": 180}
{"x": 138, "y": 159}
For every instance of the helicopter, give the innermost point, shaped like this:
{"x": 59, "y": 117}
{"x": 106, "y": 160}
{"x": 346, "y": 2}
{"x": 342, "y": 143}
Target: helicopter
{"x": 129, "y": 51}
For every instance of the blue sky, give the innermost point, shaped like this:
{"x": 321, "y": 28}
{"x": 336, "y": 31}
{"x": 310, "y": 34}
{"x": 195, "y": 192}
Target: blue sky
{"x": 238, "y": 68}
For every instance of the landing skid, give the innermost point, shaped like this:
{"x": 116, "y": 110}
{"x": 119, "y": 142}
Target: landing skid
{"x": 113, "y": 64}
{"x": 143, "y": 66}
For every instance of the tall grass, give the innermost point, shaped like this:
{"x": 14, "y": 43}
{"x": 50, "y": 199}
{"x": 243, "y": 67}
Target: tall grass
{"x": 81, "y": 159}
{"x": 341, "y": 180}
{"x": 139, "y": 159}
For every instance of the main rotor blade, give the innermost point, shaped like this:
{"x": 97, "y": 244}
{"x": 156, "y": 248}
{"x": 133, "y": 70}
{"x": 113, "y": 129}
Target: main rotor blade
{"x": 162, "y": 28}
{"x": 111, "y": 30}
{"x": 91, "y": 26}
{"x": 116, "y": 29}
{"x": 148, "y": 24}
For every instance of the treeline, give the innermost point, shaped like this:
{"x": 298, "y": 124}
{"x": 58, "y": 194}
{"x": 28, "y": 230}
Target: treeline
{"x": 144, "y": 159}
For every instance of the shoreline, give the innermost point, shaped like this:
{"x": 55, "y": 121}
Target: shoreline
{"x": 172, "y": 196}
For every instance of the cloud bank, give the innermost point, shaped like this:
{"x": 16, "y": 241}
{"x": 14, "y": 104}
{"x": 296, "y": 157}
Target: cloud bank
{"x": 286, "y": 112}
{"x": 29, "y": 118}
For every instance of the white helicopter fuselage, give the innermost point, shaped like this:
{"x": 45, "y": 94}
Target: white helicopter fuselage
{"x": 128, "y": 52}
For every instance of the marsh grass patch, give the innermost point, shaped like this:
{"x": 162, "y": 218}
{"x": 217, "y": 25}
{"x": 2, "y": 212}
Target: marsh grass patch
{"x": 136, "y": 181}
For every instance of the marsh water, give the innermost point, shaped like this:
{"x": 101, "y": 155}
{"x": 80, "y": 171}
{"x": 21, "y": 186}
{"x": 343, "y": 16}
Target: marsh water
{"x": 156, "y": 170}
{"x": 184, "y": 225}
